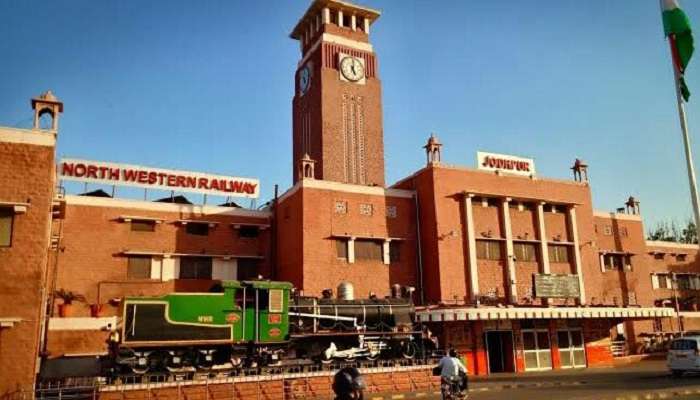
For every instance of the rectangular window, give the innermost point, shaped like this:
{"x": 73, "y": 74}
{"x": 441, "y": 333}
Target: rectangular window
{"x": 680, "y": 257}
{"x": 341, "y": 249}
{"x": 195, "y": 267}
{"x": 368, "y": 250}
{"x": 138, "y": 267}
{"x": 247, "y": 268}
{"x": 663, "y": 281}
{"x": 607, "y": 230}
{"x": 525, "y": 251}
{"x": 559, "y": 253}
{"x": 394, "y": 251}
{"x": 143, "y": 225}
{"x": 197, "y": 228}
{"x": 488, "y": 250}
{"x": 7, "y": 216}
{"x": 276, "y": 301}
{"x": 616, "y": 262}
{"x": 684, "y": 282}
{"x": 658, "y": 256}
{"x": 391, "y": 211}
{"x": 248, "y": 231}
{"x": 623, "y": 231}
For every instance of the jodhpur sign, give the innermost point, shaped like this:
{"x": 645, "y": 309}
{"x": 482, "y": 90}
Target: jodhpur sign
{"x": 155, "y": 178}
{"x": 505, "y": 163}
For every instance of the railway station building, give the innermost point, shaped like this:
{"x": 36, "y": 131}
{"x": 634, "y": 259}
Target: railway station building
{"x": 517, "y": 271}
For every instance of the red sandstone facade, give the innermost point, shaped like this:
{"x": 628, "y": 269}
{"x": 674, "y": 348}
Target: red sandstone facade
{"x": 470, "y": 241}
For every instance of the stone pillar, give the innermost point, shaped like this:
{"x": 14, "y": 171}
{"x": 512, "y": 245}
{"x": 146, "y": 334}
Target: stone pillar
{"x": 340, "y": 18}
{"x": 366, "y": 22}
{"x": 573, "y": 231}
{"x": 353, "y": 22}
{"x": 510, "y": 257}
{"x": 471, "y": 247}
{"x": 326, "y": 15}
{"x": 351, "y": 250}
{"x": 542, "y": 233}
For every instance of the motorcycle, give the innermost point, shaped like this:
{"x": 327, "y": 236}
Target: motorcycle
{"x": 451, "y": 389}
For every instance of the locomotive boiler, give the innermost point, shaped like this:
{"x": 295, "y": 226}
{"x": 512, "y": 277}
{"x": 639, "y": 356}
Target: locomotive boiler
{"x": 249, "y": 323}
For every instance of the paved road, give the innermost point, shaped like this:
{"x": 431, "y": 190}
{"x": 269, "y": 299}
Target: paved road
{"x": 644, "y": 380}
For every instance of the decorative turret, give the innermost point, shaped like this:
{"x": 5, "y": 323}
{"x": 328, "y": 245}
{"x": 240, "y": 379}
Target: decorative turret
{"x": 47, "y": 103}
{"x": 306, "y": 167}
{"x": 632, "y": 206}
{"x": 432, "y": 150}
{"x": 580, "y": 169}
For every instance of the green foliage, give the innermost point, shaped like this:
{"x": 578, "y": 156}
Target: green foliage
{"x": 68, "y": 297}
{"x": 671, "y": 232}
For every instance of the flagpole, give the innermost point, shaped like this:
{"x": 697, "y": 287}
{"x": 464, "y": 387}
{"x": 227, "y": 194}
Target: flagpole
{"x": 686, "y": 144}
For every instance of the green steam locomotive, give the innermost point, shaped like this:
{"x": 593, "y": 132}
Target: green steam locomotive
{"x": 259, "y": 323}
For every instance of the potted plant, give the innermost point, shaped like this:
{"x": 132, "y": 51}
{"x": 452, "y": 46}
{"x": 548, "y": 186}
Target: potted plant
{"x": 96, "y": 310}
{"x": 68, "y": 297}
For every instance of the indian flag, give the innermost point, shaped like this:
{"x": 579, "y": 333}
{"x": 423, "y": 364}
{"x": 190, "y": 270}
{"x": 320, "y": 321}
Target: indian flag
{"x": 677, "y": 29}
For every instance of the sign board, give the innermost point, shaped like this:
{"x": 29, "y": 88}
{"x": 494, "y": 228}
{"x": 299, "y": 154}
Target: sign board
{"x": 505, "y": 163}
{"x": 107, "y": 173}
{"x": 556, "y": 285}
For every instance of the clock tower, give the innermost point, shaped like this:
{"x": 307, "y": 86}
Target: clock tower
{"x": 337, "y": 107}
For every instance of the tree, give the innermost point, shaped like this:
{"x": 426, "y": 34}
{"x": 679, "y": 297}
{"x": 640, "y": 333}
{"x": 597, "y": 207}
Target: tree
{"x": 670, "y": 232}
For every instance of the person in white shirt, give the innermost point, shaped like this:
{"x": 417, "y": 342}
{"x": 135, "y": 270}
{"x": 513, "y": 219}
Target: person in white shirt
{"x": 450, "y": 368}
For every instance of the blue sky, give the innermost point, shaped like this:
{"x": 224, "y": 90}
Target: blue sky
{"x": 207, "y": 86}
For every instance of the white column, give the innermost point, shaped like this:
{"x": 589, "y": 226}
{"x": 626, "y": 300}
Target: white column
{"x": 573, "y": 230}
{"x": 601, "y": 257}
{"x": 326, "y": 15}
{"x": 366, "y": 21}
{"x": 340, "y": 18}
{"x": 353, "y": 22}
{"x": 471, "y": 246}
{"x": 542, "y": 233}
{"x": 156, "y": 268}
{"x": 510, "y": 263}
{"x": 386, "y": 254}
{"x": 351, "y": 250}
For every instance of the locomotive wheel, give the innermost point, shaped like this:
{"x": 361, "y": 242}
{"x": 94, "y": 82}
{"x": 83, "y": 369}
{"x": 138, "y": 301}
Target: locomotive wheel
{"x": 158, "y": 360}
{"x": 202, "y": 363}
{"x": 409, "y": 350}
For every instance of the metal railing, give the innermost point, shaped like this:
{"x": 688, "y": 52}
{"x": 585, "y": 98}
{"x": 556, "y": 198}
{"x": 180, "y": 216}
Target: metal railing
{"x": 618, "y": 348}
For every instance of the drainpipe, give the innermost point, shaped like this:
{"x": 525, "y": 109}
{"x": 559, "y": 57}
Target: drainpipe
{"x": 421, "y": 292}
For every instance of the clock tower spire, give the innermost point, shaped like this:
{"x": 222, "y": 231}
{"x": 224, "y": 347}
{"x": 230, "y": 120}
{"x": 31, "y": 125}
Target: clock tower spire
{"x": 337, "y": 107}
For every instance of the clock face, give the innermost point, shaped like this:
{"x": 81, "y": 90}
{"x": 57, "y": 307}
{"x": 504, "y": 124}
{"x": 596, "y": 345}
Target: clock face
{"x": 352, "y": 69}
{"x": 304, "y": 79}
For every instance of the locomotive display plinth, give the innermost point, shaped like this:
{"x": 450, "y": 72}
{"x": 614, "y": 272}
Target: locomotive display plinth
{"x": 260, "y": 323}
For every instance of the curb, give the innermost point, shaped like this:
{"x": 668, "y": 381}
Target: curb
{"x": 664, "y": 394}
{"x": 494, "y": 388}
